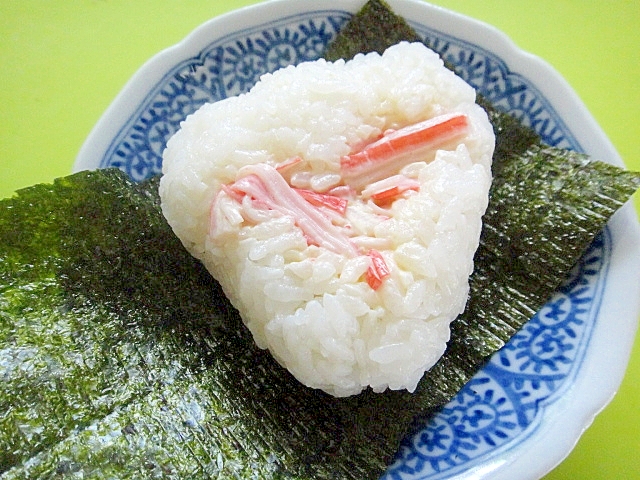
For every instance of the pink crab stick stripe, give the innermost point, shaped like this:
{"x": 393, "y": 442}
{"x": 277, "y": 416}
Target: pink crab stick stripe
{"x": 267, "y": 187}
{"x": 291, "y": 162}
{"x": 317, "y": 199}
{"x": 378, "y": 270}
{"x": 388, "y": 189}
{"x": 386, "y": 156}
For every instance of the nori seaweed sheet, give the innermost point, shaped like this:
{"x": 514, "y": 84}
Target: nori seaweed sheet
{"x": 372, "y": 29}
{"x": 120, "y": 355}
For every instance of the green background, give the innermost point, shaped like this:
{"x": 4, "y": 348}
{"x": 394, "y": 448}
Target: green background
{"x": 64, "y": 62}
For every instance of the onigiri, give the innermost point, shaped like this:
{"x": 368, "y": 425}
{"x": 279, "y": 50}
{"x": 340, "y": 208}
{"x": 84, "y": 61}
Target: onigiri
{"x": 339, "y": 205}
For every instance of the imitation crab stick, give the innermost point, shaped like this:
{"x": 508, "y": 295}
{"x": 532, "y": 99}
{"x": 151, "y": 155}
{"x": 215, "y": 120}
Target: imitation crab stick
{"x": 270, "y": 190}
{"x": 288, "y": 163}
{"x": 378, "y": 270}
{"x": 388, "y": 189}
{"x": 317, "y": 199}
{"x": 386, "y": 156}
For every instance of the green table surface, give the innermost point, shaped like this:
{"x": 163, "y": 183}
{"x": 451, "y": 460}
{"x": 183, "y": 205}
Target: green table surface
{"x": 64, "y": 62}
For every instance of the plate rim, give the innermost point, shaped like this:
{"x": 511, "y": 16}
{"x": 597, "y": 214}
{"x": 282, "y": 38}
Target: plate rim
{"x": 552, "y": 442}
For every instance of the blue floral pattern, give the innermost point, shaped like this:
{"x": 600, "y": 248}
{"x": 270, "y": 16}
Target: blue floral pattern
{"x": 507, "y": 90}
{"x": 227, "y": 67}
{"x": 503, "y": 404}
{"x": 233, "y": 64}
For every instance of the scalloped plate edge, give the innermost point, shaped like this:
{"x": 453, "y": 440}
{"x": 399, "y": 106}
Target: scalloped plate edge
{"x": 600, "y": 380}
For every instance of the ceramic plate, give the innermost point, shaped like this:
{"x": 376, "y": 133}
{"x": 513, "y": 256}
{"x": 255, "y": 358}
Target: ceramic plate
{"x": 523, "y": 413}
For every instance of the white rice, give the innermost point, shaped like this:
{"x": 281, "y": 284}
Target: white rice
{"x": 309, "y": 305}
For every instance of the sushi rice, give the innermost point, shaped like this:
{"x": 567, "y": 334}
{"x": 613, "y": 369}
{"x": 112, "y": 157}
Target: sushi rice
{"x": 363, "y": 294}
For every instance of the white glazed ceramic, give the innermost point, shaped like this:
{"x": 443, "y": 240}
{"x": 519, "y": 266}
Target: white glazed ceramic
{"x": 524, "y": 412}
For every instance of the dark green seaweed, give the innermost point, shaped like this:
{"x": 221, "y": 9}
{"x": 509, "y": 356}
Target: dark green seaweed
{"x": 120, "y": 356}
{"x": 372, "y": 29}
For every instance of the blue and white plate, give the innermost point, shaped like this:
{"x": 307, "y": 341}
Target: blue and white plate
{"x": 524, "y": 412}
